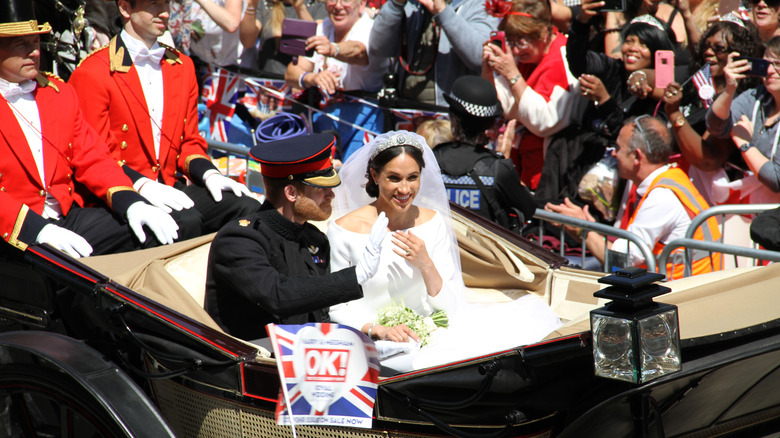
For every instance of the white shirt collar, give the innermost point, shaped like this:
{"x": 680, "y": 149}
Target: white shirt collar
{"x": 642, "y": 189}
{"x": 11, "y": 89}
{"x": 136, "y": 47}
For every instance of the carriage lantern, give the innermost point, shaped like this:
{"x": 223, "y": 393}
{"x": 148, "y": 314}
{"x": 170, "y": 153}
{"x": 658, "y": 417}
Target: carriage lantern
{"x": 634, "y": 338}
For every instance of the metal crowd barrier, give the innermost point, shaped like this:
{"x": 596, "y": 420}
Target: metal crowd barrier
{"x": 606, "y": 230}
{"x": 723, "y": 248}
{"x": 688, "y": 243}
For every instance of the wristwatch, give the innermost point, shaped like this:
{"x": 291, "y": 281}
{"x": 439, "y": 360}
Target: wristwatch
{"x": 744, "y": 147}
{"x": 679, "y": 121}
{"x": 515, "y": 79}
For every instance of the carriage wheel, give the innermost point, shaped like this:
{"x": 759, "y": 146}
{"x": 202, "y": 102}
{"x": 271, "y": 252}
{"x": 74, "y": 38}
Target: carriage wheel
{"x": 39, "y": 402}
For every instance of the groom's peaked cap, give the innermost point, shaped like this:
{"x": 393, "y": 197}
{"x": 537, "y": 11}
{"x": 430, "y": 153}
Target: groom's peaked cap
{"x": 306, "y": 158}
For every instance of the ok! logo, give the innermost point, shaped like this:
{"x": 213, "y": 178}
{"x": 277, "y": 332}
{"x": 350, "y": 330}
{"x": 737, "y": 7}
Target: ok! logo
{"x": 326, "y": 365}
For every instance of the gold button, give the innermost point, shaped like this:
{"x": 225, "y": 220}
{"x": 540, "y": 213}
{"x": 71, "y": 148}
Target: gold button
{"x": 42, "y": 193}
{"x": 154, "y": 168}
{"x": 121, "y": 162}
{"x": 124, "y": 127}
{"x": 177, "y": 156}
{"x": 70, "y": 175}
{"x": 5, "y": 235}
{"x": 185, "y": 120}
{"x": 2, "y": 189}
{"x": 70, "y": 189}
{"x": 70, "y": 145}
{"x": 181, "y": 138}
{"x": 123, "y": 145}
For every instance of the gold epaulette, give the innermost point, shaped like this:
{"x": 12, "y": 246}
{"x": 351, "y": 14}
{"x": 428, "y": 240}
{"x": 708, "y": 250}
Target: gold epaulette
{"x": 90, "y": 54}
{"x": 43, "y": 80}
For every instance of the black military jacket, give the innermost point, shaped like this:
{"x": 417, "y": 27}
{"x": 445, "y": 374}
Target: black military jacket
{"x": 267, "y": 269}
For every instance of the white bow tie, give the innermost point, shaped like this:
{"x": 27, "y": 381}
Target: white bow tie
{"x": 153, "y": 56}
{"x": 16, "y": 90}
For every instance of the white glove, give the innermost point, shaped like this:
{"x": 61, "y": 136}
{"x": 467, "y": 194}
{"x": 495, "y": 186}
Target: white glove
{"x": 161, "y": 223}
{"x": 368, "y": 264}
{"x": 164, "y": 197}
{"x": 64, "y": 240}
{"x": 216, "y": 183}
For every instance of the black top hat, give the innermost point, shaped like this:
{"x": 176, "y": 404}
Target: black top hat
{"x": 17, "y": 18}
{"x": 305, "y": 158}
{"x": 474, "y": 96}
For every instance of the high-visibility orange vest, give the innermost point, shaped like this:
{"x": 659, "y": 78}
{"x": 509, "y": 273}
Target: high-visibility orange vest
{"x": 678, "y": 182}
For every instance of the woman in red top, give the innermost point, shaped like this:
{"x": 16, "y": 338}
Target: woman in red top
{"x": 533, "y": 81}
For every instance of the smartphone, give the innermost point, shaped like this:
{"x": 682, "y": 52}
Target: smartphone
{"x": 613, "y": 6}
{"x": 758, "y": 66}
{"x": 498, "y": 38}
{"x": 664, "y": 68}
{"x": 294, "y": 35}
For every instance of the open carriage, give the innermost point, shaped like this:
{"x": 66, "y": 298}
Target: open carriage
{"x": 120, "y": 346}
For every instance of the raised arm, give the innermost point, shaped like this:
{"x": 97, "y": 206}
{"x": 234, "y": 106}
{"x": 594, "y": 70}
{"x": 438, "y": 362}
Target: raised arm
{"x": 227, "y": 17}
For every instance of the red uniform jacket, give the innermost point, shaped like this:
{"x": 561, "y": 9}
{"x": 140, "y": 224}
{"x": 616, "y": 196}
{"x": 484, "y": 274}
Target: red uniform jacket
{"x": 114, "y": 104}
{"x": 72, "y": 152}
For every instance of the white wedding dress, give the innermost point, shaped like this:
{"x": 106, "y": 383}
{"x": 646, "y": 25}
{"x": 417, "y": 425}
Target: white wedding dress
{"x": 474, "y": 329}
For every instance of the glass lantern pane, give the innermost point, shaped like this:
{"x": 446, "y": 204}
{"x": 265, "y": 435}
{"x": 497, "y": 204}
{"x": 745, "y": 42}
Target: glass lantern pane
{"x": 612, "y": 348}
{"x": 660, "y": 345}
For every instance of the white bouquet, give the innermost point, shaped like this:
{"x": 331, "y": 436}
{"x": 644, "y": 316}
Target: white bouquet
{"x": 394, "y": 314}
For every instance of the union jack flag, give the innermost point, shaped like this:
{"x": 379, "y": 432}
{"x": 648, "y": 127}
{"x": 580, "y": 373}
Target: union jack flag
{"x": 329, "y": 373}
{"x": 702, "y": 79}
{"x": 220, "y": 91}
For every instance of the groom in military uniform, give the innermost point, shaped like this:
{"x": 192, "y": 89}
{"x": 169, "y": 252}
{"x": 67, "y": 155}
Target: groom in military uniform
{"x": 272, "y": 266}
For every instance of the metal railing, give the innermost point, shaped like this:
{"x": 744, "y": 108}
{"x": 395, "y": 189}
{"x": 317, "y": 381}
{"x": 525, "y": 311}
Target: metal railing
{"x": 714, "y": 247}
{"x": 606, "y": 230}
{"x": 688, "y": 243}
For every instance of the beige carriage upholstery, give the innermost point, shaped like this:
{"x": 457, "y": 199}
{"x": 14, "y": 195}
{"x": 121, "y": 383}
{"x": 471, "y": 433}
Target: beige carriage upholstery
{"x": 494, "y": 271}
{"x": 713, "y": 303}
{"x": 173, "y": 275}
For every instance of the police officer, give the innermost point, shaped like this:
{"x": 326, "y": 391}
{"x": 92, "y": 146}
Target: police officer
{"x": 48, "y": 150}
{"x": 476, "y": 177}
{"x": 272, "y": 266}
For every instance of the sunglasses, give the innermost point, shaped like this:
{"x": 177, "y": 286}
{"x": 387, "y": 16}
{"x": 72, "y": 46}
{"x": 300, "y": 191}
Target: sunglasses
{"x": 718, "y": 49}
{"x": 642, "y": 131}
{"x": 502, "y": 8}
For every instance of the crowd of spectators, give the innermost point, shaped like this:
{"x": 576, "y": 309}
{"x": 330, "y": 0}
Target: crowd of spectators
{"x": 568, "y": 78}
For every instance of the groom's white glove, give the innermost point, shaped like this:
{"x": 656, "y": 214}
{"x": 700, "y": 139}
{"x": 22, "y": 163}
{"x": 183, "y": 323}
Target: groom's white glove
{"x": 368, "y": 264}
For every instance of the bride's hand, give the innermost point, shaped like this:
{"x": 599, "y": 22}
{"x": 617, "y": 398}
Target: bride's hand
{"x": 412, "y": 248}
{"x": 399, "y": 333}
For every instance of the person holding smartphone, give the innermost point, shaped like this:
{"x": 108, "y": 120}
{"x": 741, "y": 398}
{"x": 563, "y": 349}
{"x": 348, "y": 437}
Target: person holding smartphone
{"x": 342, "y": 62}
{"x": 712, "y": 159}
{"x": 533, "y": 81}
{"x": 751, "y": 120}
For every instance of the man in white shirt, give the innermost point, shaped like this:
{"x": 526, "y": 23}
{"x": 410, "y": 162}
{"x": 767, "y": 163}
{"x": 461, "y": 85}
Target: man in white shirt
{"x": 142, "y": 97}
{"x": 49, "y": 150}
{"x": 661, "y": 207}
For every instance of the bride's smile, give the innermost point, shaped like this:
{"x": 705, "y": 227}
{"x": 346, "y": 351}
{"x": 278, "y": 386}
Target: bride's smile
{"x": 399, "y": 182}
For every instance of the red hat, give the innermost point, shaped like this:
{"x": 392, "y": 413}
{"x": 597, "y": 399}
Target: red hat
{"x": 306, "y": 158}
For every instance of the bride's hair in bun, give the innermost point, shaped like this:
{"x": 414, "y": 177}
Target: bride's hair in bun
{"x": 378, "y": 162}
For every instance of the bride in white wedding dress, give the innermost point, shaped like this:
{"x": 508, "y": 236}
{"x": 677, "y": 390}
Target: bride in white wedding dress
{"x": 419, "y": 263}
